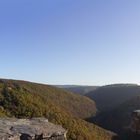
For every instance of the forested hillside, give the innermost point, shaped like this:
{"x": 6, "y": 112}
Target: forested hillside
{"x": 25, "y": 100}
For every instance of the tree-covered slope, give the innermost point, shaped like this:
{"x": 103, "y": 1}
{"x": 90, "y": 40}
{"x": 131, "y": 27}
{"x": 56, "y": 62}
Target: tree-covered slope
{"x": 24, "y": 99}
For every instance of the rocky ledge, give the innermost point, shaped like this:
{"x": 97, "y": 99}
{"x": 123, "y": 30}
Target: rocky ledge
{"x": 30, "y": 129}
{"x": 135, "y": 123}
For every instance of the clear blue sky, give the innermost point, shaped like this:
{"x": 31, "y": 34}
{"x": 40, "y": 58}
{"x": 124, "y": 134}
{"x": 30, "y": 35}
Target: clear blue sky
{"x": 88, "y": 42}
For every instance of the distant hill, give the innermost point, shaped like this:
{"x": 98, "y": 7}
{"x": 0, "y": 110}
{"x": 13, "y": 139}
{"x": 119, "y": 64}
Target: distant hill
{"x": 82, "y": 90}
{"x": 111, "y": 96}
{"x": 26, "y": 100}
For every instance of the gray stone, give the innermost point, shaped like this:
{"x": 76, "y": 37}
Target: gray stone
{"x": 33, "y": 129}
{"x": 135, "y": 123}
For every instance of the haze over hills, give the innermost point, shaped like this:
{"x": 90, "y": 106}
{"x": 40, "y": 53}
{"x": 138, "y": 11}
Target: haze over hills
{"x": 25, "y": 100}
{"x": 82, "y": 90}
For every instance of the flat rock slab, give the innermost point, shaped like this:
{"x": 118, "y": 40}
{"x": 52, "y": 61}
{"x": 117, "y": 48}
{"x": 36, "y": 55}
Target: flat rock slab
{"x": 28, "y": 129}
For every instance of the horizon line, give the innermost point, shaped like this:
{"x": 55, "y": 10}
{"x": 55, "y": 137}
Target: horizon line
{"x": 46, "y": 83}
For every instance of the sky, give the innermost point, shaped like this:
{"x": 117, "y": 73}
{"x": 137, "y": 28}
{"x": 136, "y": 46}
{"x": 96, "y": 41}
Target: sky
{"x": 82, "y": 42}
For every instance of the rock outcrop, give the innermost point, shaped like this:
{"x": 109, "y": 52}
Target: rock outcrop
{"x": 135, "y": 123}
{"x": 30, "y": 129}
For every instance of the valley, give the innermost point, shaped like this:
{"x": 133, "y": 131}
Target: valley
{"x": 115, "y": 104}
{"x": 23, "y": 99}
{"x": 105, "y": 113}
